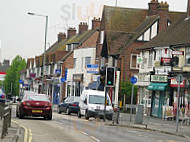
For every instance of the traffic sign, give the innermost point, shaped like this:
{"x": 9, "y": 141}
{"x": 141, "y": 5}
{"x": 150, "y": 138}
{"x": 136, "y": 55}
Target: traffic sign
{"x": 92, "y": 65}
{"x": 20, "y": 81}
{"x": 63, "y": 80}
{"x": 179, "y": 78}
{"x": 133, "y": 80}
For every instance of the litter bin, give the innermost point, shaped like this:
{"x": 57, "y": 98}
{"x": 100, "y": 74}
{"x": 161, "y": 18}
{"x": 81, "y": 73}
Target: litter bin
{"x": 139, "y": 114}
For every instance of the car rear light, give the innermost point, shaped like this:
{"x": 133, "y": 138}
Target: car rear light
{"x": 74, "y": 105}
{"x": 3, "y": 96}
{"x": 23, "y": 103}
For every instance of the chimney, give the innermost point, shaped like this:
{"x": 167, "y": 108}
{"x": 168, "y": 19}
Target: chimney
{"x": 96, "y": 23}
{"x": 61, "y": 36}
{"x": 83, "y": 27}
{"x": 71, "y": 32}
{"x": 153, "y": 7}
{"x": 163, "y": 13}
{"x": 188, "y": 8}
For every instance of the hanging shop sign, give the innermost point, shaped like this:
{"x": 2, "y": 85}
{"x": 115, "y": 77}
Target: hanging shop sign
{"x": 173, "y": 83}
{"x": 177, "y": 53}
{"x": 165, "y": 61}
{"x": 159, "y": 78}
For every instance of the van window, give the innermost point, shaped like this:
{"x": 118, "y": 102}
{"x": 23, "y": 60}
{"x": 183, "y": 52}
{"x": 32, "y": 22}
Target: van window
{"x": 93, "y": 99}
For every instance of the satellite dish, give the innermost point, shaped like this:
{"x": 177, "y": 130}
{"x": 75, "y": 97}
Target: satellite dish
{"x": 174, "y": 61}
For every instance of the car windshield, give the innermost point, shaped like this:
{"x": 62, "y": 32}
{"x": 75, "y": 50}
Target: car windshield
{"x": 94, "y": 99}
{"x": 37, "y": 98}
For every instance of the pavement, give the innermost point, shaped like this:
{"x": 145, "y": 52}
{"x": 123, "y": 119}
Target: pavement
{"x": 153, "y": 124}
{"x": 13, "y": 132}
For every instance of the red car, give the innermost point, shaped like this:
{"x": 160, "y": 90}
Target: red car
{"x": 33, "y": 104}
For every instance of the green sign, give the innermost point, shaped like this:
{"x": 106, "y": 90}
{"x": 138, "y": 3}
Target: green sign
{"x": 159, "y": 78}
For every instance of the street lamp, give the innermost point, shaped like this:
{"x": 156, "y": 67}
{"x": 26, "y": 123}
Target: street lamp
{"x": 44, "y": 57}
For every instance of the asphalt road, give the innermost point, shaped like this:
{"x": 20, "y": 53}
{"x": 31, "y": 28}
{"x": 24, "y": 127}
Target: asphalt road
{"x": 69, "y": 128}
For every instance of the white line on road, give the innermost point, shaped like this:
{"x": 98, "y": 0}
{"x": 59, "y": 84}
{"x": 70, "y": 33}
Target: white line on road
{"x": 84, "y": 133}
{"x": 97, "y": 140}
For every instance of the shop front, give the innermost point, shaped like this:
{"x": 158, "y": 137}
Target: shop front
{"x": 161, "y": 95}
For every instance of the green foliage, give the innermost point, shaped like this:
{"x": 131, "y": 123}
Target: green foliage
{"x": 126, "y": 89}
{"x": 12, "y": 76}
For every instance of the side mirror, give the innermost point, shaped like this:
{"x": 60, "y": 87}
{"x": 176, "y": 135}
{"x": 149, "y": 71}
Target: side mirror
{"x": 85, "y": 101}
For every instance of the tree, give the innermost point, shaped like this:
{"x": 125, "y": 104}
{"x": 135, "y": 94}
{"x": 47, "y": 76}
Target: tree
{"x": 11, "y": 84}
{"x": 126, "y": 90}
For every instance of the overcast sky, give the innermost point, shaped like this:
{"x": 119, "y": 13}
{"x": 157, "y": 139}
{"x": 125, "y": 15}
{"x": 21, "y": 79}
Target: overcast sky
{"x": 23, "y": 34}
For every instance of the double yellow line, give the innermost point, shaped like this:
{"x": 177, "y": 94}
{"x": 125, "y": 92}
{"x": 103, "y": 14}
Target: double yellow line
{"x": 27, "y": 137}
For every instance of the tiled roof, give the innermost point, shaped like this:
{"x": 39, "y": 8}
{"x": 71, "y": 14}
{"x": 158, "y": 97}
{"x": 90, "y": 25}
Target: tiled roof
{"x": 127, "y": 23}
{"x": 176, "y": 34}
{"x": 79, "y": 39}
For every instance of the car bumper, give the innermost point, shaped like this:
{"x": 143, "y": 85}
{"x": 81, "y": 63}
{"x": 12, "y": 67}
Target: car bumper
{"x": 37, "y": 111}
{"x": 99, "y": 113}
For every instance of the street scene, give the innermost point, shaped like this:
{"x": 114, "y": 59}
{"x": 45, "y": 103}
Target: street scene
{"x": 95, "y": 71}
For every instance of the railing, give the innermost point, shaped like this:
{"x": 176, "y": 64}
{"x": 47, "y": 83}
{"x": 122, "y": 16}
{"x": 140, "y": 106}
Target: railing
{"x": 5, "y": 113}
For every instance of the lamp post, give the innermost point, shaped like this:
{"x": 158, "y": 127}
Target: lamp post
{"x": 44, "y": 56}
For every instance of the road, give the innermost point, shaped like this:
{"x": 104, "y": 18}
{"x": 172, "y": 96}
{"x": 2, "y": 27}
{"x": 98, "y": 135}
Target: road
{"x": 69, "y": 128}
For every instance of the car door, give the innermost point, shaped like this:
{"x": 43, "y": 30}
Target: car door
{"x": 65, "y": 104}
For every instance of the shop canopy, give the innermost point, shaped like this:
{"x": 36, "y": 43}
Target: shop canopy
{"x": 158, "y": 86}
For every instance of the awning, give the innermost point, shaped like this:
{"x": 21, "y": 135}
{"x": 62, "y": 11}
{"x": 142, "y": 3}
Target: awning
{"x": 158, "y": 86}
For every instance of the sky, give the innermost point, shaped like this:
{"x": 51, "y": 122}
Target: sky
{"x": 23, "y": 34}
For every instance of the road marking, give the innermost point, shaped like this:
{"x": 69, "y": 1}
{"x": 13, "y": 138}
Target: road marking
{"x": 25, "y": 134}
{"x": 85, "y": 133}
{"x": 30, "y": 136}
{"x": 97, "y": 140}
{"x": 25, "y": 131}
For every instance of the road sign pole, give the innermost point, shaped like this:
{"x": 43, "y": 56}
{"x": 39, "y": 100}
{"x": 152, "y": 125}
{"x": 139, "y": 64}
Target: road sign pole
{"x": 131, "y": 101}
{"x": 105, "y": 103}
{"x": 177, "y": 117}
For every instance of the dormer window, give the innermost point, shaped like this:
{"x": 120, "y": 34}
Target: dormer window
{"x": 68, "y": 47}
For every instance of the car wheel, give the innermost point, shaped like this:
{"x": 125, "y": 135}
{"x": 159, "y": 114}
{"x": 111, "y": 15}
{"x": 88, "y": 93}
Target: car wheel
{"x": 50, "y": 117}
{"x": 78, "y": 114}
{"x": 68, "y": 111}
{"x": 86, "y": 115}
{"x": 20, "y": 115}
{"x": 58, "y": 110}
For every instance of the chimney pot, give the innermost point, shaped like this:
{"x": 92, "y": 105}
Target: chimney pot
{"x": 96, "y": 23}
{"x": 83, "y": 27}
{"x": 71, "y": 32}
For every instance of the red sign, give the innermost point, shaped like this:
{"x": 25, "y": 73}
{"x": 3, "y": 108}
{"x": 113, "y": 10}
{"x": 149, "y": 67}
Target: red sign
{"x": 173, "y": 83}
{"x": 165, "y": 61}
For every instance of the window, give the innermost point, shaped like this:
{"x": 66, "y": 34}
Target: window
{"x": 74, "y": 65}
{"x": 187, "y": 55}
{"x": 133, "y": 62}
{"x": 87, "y": 60}
{"x": 143, "y": 60}
{"x": 68, "y": 47}
{"x": 150, "y": 59}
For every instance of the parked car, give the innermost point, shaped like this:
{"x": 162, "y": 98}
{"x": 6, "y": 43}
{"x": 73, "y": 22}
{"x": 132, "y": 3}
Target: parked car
{"x": 69, "y": 105}
{"x": 2, "y": 96}
{"x": 92, "y": 104}
{"x": 37, "y": 105}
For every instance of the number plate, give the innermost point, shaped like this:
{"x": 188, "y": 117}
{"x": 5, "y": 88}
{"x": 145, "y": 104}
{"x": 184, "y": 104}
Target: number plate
{"x": 36, "y": 111}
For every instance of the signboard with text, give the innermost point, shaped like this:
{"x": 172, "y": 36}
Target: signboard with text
{"x": 173, "y": 83}
{"x": 165, "y": 61}
{"x": 159, "y": 78}
{"x": 92, "y": 68}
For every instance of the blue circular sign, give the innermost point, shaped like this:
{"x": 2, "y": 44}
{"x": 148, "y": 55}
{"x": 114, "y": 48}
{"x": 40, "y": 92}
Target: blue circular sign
{"x": 133, "y": 80}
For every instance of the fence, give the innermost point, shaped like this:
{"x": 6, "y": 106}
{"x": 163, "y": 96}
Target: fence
{"x": 5, "y": 113}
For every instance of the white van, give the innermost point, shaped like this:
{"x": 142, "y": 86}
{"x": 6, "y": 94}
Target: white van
{"x": 92, "y": 104}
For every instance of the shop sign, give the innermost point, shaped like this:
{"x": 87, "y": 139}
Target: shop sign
{"x": 173, "y": 83}
{"x": 159, "y": 78}
{"x": 177, "y": 53}
{"x": 165, "y": 61}
{"x": 143, "y": 78}
{"x": 77, "y": 77}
